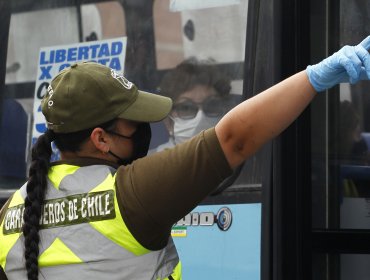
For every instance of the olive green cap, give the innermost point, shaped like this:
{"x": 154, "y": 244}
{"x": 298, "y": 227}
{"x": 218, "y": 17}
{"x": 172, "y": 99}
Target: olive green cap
{"x": 88, "y": 94}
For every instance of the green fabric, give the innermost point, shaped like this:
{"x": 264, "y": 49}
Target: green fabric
{"x": 66, "y": 211}
{"x": 89, "y": 94}
{"x": 177, "y": 179}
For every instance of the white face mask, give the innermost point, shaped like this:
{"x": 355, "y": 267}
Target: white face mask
{"x": 185, "y": 129}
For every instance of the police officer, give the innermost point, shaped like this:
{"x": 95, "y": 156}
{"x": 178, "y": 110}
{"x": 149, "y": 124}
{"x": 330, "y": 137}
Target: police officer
{"x": 105, "y": 210}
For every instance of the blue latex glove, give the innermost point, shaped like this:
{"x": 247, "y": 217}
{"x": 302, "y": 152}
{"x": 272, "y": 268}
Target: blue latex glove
{"x": 349, "y": 64}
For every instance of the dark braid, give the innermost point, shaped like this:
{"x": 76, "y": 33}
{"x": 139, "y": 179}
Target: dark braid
{"x": 37, "y": 185}
{"x": 36, "y": 189}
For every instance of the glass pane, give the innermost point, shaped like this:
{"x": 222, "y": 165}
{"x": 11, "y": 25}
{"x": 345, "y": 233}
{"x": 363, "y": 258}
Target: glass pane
{"x": 207, "y": 38}
{"x": 103, "y": 21}
{"x": 29, "y": 31}
{"x": 354, "y": 267}
{"x": 186, "y": 29}
{"x": 341, "y": 139}
{"x": 354, "y": 128}
{"x": 340, "y": 267}
{"x": 200, "y": 56}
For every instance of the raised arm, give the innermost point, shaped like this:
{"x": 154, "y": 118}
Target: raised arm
{"x": 259, "y": 119}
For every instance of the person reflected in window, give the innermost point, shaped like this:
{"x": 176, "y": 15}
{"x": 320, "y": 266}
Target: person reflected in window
{"x": 352, "y": 146}
{"x": 13, "y": 143}
{"x": 352, "y": 151}
{"x": 201, "y": 95}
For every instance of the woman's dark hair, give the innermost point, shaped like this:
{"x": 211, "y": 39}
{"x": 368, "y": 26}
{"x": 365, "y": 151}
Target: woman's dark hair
{"x": 192, "y": 72}
{"x": 37, "y": 185}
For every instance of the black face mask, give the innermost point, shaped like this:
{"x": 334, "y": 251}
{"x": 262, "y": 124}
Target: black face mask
{"x": 141, "y": 141}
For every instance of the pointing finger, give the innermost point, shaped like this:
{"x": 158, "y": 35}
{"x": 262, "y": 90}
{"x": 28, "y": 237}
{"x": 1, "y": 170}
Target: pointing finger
{"x": 366, "y": 43}
{"x": 364, "y": 56}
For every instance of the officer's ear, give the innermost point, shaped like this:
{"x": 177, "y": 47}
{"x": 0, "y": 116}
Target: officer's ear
{"x": 101, "y": 139}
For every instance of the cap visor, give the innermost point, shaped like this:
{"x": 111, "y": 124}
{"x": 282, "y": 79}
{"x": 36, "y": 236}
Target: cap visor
{"x": 148, "y": 107}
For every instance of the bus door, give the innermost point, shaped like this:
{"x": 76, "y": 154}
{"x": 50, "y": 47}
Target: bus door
{"x": 321, "y": 176}
{"x": 341, "y": 156}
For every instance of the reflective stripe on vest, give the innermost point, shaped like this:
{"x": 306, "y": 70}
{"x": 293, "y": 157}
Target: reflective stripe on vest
{"x": 83, "y": 233}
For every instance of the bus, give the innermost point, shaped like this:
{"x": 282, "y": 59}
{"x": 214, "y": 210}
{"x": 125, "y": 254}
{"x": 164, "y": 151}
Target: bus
{"x": 299, "y": 208}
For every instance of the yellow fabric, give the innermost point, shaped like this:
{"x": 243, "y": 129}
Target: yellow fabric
{"x": 58, "y": 254}
{"x": 16, "y": 199}
{"x": 8, "y": 241}
{"x": 116, "y": 229}
{"x": 58, "y": 172}
{"x": 112, "y": 229}
{"x": 177, "y": 272}
{"x": 176, "y": 275}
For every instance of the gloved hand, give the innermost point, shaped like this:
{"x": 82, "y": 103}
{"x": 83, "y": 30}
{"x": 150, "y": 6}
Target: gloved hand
{"x": 349, "y": 64}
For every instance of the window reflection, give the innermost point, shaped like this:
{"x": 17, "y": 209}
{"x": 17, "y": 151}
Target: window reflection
{"x": 340, "y": 138}
{"x": 104, "y": 20}
{"x": 14, "y": 124}
{"x": 195, "y": 30}
{"x": 354, "y": 127}
{"x": 353, "y": 166}
{"x": 207, "y": 42}
{"x": 183, "y": 35}
{"x": 201, "y": 94}
{"x": 354, "y": 266}
{"x": 340, "y": 266}
{"x": 30, "y": 31}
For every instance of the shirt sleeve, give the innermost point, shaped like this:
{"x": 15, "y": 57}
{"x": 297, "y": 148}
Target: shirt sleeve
{"x": 158, "y": 190}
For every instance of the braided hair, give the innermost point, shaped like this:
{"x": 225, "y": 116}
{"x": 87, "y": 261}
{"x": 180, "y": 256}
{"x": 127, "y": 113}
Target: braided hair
{"x": 37, "y": 185}
{"x": 36, "y": 188}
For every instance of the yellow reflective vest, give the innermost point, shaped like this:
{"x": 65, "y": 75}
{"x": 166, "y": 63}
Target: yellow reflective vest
{"x": 83, "y": 235}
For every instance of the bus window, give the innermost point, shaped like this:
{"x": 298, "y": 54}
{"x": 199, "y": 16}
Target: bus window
{"x": 341, "y": 153}
{"x": 201, "y": 31}
{"x": 21, "y": 68}
{"x": 199, "y": 50}
{"x": 103, "y": 21}
{"x": 200, "y": 55}
{"x": 192, "y": 51}
{"x": 353, "y": 149}
{"x": 168, "y": 36}
{"x": 29, "y": 30}
{"x": 348, "y": 146}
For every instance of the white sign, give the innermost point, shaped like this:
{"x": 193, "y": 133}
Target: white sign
{"x": 52, "y": 60}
